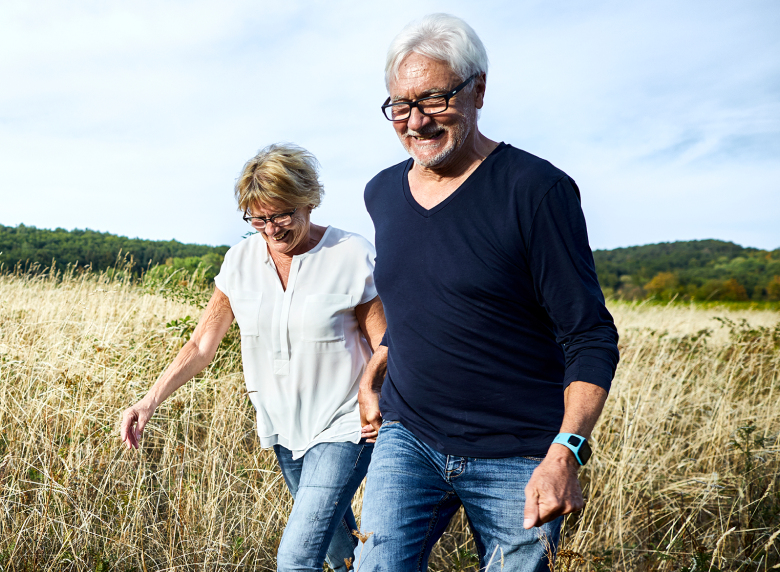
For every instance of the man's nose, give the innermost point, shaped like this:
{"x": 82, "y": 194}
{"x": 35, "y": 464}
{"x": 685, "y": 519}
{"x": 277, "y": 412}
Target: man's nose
{"x": 417, "y": 120}
{"x": 270, "y": 228}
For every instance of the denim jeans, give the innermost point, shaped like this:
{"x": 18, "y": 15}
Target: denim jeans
{"x": 322, "y": 482}
{"x": 413, "y": 491}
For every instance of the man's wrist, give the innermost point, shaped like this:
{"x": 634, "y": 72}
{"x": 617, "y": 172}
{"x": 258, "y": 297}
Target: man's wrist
{"x": 561, "y": 453}
{"x": 577, "y": 445}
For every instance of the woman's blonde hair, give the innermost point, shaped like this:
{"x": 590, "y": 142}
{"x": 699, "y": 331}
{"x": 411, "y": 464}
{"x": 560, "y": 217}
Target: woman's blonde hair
{"x": 282, "y": 172}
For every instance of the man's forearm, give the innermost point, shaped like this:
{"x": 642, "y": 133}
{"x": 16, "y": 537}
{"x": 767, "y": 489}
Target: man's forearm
{"x": 374, "y": 374}
{"x": 583, "y": 402}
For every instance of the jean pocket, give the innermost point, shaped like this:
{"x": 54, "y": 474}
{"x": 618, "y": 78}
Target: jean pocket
{"x": 535, "y": 459}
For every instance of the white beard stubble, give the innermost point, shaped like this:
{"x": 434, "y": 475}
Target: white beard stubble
{"x": 459, "y": 132}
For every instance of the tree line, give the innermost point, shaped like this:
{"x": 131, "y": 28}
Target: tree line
{"x": 32, "y": 248}
{"x": 686, "y": 270}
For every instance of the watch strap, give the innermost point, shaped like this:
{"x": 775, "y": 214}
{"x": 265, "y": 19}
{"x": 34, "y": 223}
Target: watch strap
{"x": 577, "y": 444}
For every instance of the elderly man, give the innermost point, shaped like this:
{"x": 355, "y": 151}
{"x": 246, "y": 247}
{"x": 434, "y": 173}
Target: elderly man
{"x": 500, "y": 351}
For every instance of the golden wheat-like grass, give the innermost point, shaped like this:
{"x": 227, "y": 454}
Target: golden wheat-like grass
{"x": 684, "y": 475}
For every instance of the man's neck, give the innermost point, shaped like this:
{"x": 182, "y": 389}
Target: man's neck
{"x": 431, "y": 185}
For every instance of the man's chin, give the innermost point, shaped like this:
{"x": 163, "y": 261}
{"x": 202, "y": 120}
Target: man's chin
{"x": 429, "y": 159}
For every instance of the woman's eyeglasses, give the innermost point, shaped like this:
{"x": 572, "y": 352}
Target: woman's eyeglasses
{"x": 280, "y": 219}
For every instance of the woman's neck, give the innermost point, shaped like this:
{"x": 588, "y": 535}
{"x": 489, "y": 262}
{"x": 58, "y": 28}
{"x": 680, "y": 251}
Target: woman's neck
{"x": 283, "y": 260}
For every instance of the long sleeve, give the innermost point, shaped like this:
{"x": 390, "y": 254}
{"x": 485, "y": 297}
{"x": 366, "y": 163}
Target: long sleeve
{"x": 566, "y": 285}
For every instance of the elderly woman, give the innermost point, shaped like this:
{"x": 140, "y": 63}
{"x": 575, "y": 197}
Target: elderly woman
{"x": 304, "y": 299}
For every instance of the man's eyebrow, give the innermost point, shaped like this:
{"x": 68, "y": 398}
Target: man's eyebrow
{"x": 425, "y": 93}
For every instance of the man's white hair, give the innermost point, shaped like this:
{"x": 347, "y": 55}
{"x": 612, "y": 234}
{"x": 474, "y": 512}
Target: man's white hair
{"x": 440, "y": 37}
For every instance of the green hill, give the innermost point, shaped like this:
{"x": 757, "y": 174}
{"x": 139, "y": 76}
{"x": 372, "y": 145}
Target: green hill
{"x": 697, "y": 269}
{"x": 29, "y": 245}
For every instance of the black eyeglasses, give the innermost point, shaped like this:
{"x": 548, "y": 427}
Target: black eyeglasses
{"x": 430, "y": 105}
{"x": 280, "y": 219}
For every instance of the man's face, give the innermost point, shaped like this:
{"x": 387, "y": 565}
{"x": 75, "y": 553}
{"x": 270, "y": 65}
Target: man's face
{"x": 433, "y": 140}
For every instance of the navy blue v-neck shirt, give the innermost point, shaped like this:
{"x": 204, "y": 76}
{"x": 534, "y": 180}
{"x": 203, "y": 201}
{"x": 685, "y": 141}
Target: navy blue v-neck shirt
{"x": 492, "y": 304}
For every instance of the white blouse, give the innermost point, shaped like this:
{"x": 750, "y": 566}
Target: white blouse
{"x": 302, "y": 349}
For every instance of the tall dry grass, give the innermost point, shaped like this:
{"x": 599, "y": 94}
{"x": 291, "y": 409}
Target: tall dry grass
{"x": 684, "y": 475}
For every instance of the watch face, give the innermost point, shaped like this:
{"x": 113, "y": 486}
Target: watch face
{"x": 585, "y": 452}
{"x": 574, "y": 441}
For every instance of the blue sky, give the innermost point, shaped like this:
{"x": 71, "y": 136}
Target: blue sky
{"x": 136, "y": 117}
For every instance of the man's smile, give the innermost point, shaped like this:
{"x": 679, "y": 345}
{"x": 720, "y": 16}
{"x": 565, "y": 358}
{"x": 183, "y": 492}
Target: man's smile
{"x": 432, "y": 136}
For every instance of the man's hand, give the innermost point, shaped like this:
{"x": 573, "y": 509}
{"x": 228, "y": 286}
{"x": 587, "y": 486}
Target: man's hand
{"x": 370, "y": 416}
{"x": 368, "y": 395}
{"x": 553, "y": 489}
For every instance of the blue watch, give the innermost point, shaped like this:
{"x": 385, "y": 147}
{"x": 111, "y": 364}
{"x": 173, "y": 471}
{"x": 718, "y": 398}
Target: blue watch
{"x": 578, "y": 445}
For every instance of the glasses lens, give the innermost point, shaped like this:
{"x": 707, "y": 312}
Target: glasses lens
{"x": 397, "y": 111}
{"x": 432, "y": 105}
{"x": 283, "y": 220}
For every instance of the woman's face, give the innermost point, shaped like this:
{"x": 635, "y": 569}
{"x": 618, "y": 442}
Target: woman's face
{"x": 290, "y": 239}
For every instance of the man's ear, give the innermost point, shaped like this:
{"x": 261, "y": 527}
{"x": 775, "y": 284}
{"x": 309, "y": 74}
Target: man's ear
{"x": 479, "y": 88}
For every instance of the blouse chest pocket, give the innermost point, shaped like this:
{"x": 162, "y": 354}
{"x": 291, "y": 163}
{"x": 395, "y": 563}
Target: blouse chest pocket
{"x": 246, "y": 308}
{"x": 323, "y": 317}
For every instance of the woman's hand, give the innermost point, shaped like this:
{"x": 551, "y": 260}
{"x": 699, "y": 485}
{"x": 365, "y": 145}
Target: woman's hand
{"x": 368, "y": 433}
{"x": 134, "y": 419}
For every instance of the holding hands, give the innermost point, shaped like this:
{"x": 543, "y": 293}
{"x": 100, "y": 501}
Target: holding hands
{"x": 368, "y": 395}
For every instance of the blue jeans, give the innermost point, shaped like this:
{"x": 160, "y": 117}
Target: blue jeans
{"x": 413, "y": 491}
{"x": 322, "y": 482}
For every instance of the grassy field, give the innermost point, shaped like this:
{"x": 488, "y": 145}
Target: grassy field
{"x": 684, "y": 474}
